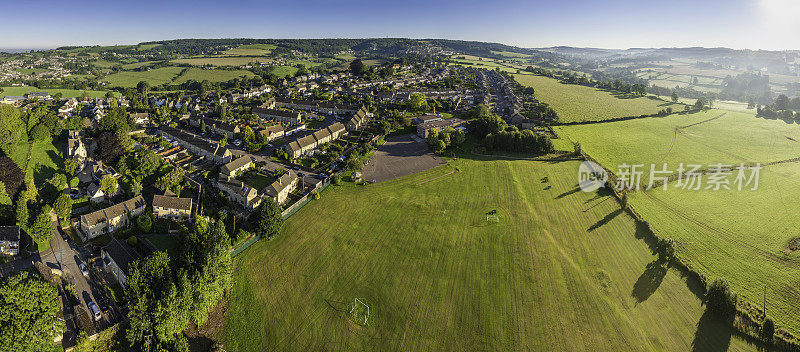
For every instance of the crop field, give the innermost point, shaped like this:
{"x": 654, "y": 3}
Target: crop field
{"x": 743, "y": 235}
{"x": 154, "y": 77}
{"x": 561, "y": 270}
{"x": 66, "y": 93}
{"x": 224, "y": 60}
{"x": 580, "y": 103}
{"x": 199, "y": 75}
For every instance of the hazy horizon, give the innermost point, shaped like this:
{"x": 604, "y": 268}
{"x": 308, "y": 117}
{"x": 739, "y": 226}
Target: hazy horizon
{"x": 616, "y": 24}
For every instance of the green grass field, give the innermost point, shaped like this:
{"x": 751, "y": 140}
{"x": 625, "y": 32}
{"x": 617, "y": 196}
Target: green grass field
{"x": 562, "y": 270}
{"x": 741, "y": 236}
{"x": 154, "y": 77}
{"x": 66, "y": 93}
{"x": 223, "y": 61}
{"x": 580, "y": 103}
{"x": 732, "y": 138}
{"x": 200, "y": 75}
{"x": 251, "y": 50}
{"x": 283, "y": 71}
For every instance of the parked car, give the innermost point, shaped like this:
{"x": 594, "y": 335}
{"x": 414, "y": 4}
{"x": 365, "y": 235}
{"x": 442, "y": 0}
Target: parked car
{"x": 95, "y": 311}
{"x": 84, "y": 269}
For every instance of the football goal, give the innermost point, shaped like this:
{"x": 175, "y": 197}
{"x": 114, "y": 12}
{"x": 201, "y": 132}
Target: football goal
{"x": 359, "y": 311}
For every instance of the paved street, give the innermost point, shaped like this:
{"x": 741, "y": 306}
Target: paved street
{"x": 63, "y": 256}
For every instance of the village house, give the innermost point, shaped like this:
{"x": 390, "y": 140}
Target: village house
{"x": 197, "y": 145}
{"x": 111, "y": 219}
{"x": 173, "y": 208}
{"x": 280, "y": 189}
{"x": 233, "y": 168}
{"x": 117, "y": 256}
{"x": 140, "y": 118}
{"x": 240, "y": 193}
{"x": 271, "y": 133}
{"x": 75, "y": 146}
{"x": 221, "y": 128}
{"x": 12, "y": 99}
{"x": 303, "y": 145}
{"x": 438, "y": 125}
{"x": 9, "y": 240}
{"x": 359, "y": 119}
{"x": 292, "y": 117}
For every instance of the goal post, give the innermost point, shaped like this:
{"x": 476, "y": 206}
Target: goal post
{"x": 359, "y": 311}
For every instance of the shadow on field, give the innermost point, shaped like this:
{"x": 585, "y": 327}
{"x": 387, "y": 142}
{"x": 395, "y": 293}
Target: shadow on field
{"x": 712, "y": 334}
{"x": 605, "y": 220}
{"x": 649, "y": 281}
{"x": 570, "y": 192}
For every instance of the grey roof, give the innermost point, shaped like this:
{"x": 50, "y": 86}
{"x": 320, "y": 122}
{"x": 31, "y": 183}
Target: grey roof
{"x": 172, "y": 202}
{"x": 9, "y": 233}
{"x": 280, "y": 184}
{"x": 235, "y": 165}
{"x": 121, "y": 254}
{"x": 94, "y": 218}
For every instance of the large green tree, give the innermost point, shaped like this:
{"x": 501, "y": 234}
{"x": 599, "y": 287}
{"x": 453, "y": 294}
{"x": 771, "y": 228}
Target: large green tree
{"x": 108, "y": 185}
{"x": 158, "y": 302}
{"x": 63, "y": 206}
{"x": 29, "y": 315}
{"x": 12, "y": 129}
{"x": 42, "y": 229}
{"x": 267, "y": 219}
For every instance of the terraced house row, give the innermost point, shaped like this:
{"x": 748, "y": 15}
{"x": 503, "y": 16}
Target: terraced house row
{"x": 197, "y": 145}
{"x": 113, "y": 218}
{"x": 304, "y": 145}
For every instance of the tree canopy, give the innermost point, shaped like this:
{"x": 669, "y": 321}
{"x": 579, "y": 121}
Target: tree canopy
{"x": 29, "y": 318}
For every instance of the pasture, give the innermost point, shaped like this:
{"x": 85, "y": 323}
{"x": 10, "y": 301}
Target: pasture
{"x": 155, "y": 77}
{"x": 575, "y": 103}
{"x": 251, "y": 50}
{"x": 741, "y": 236}
{"x": 731, "y": 138}
{"x": 561, "y": 270}
{"x": 223, "y": 60}
{"x": 199, "y": 75}
{"x": 65, "y": 93}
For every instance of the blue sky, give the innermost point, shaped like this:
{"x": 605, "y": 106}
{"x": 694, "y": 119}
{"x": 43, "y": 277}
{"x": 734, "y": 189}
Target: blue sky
{"x": 757, "y": 24}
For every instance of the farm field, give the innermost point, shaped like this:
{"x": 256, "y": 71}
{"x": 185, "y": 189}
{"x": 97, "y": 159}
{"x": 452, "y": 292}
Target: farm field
{"x": 732, "y": 138}
{"x": 154, "y": 77}
{"x": 66, "y": 93}
{"x": 575, "y": 103}
{"x": 199, "y": 75}
{"x": 251, "y": 50}
{"x": 739, "y": 235}
{"x": 562, "y": 270}
{"x": 223, "y": 61}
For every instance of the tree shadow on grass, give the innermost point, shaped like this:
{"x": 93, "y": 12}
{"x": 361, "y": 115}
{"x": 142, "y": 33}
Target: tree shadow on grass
{"x": 649, "y": 281}
{"x": 605, "y": 220}
{"x": 601, "y": 193}
{"x": 713, "y": 334}
{"x": 570, "y": 192}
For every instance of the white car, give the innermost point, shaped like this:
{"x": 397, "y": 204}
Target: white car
{"x": 94, "y": 311}
{"x": 84, "y": 269}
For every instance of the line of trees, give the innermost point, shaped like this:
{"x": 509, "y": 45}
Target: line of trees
{"x": 497, "y": 135}
{"x": 166, "y": 294}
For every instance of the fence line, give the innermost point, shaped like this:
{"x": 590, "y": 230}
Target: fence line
{"x": 285, "y": 214}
